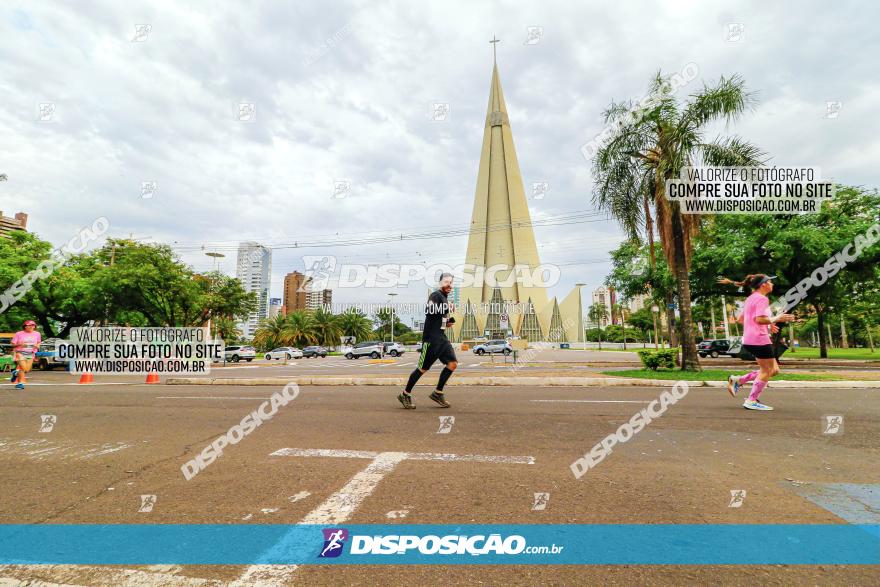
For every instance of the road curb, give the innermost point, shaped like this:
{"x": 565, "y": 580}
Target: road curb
{"x": 502, "y": 381}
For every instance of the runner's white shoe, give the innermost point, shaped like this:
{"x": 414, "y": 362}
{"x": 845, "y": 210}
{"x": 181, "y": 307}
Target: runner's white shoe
{"x": 751, "y": 404}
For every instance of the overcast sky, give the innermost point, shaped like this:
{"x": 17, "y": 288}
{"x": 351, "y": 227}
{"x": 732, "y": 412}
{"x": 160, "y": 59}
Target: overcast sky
{"x": 345, "y": 91}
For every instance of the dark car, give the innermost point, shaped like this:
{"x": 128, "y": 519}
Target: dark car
{"x": 713, "y": 348}
{"x": 314, "y": 351}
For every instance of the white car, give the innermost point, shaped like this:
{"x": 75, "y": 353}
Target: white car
{"x": 237, "y": 353}
{"x": 284, "y": 353}
{"x": 493, "y": 346}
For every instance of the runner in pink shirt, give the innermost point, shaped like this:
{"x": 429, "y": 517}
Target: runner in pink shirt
{"x": 758, "y": 324}
{"x": 25, "y": 344}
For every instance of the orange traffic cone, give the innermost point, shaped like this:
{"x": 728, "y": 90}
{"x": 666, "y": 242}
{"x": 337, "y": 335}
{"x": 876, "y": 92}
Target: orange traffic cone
{"x": 86, "y": 378}
{"x": 152, "y": 378}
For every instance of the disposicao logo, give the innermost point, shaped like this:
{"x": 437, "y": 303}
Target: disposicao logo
{"x": 334, "y": 540}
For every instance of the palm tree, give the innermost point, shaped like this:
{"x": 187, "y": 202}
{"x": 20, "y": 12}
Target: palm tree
{"x": 301, "y": 330}
{"x": 652, "y": 146}
{"x": 327, "y": 328}
{"x": 226, "y": 329}
{"x": 271, "y": 333}
{"x": 354, "y": 323}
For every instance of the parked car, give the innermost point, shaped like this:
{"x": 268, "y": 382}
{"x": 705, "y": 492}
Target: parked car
{"x": 713, "y": 348}
{"x": 735, "y": 346}
{"x": 370, "y": 348}
{"x": 314, "y": 351}
{"x": 284, "y": 353}
{"x": 395, "y": 349}
{"x": 236, "y": 353}
{"x": 493, "y": 347}
{"x": 47, "y": 357}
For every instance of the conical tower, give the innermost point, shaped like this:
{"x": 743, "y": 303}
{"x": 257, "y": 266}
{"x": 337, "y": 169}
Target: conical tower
{"x": 501, "y": 230}
{"x": 501, "y": 236}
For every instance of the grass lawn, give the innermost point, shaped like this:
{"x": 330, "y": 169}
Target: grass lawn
{"x": 811, "y": 353}
{"x": 631, "y": 348}
{"x": 711, "y": 375}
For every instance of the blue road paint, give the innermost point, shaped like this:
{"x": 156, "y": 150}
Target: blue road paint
{"x": 857, "y": 503}
{"x": 495, "y": 544}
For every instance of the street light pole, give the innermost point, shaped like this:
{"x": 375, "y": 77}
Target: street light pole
{"x": 654, "y": 310}
{"x": 216, "y": 257}
{"x": 391, "y": 303}
{"x": 726, "y": 325}
{"x": 581, "y": 306}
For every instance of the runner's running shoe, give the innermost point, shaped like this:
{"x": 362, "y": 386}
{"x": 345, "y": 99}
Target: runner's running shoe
{"x": 751, "y": 404}
{"x": 440, "y": 399}
{"x": 732, "y": 385}
{"x": 406, "y": 400}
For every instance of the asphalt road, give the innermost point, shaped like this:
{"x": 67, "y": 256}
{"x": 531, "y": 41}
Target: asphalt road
{"x": 110, "y": 444}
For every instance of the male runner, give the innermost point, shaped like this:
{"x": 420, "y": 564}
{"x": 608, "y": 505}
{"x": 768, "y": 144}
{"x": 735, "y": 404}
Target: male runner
{"x": 25, "y": 345}
{"x": 435, "y": 345}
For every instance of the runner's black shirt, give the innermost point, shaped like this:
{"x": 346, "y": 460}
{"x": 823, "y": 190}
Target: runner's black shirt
{"x": 436, "y": 311}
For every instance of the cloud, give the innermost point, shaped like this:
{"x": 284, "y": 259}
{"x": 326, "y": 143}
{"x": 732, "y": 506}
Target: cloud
{"x": 343, "y": 91}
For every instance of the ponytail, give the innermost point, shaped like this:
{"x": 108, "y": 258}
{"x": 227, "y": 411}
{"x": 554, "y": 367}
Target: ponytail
{"x": 747, "y": 282}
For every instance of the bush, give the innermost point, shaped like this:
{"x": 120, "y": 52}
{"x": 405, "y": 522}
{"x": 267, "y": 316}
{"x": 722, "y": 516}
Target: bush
{"x": 659, "y": 359}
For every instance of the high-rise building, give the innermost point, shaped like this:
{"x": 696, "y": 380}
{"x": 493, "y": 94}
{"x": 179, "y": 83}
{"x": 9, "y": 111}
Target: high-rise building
{"x": 606, "y": 297}
{"x": 254, "y": 269}
{"x": 319, "y": 298}
{"x": 18, "y": 222}
{"x": 455, "y": 295}
{"x": 295, "y": 292}
{"x": 637, "y": 302}
{"x": 274, "y": 307}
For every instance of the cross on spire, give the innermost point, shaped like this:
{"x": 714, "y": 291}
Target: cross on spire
{"x": 493, "y": 41}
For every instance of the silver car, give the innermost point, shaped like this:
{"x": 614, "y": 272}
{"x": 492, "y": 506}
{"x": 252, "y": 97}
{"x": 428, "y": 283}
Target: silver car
{"x": 395, "y": 349}
{"x": 284, "y": 353}
{"x": 372, "y": 349}
{"x": 493, "y": 347}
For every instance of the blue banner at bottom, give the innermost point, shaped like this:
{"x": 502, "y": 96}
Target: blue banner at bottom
{"x": 490, "y": 544}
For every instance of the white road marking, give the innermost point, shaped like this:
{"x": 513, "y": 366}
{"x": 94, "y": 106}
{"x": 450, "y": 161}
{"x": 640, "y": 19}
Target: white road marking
{"x": 39, "y": 449}
{"x": 342, "y": 504}
{"x": 206, "y": 397}
{"x": 105, "y": 449}
{"x": 594, "y": 401}
{"x": 298, "y": 496}
{"x": 324, "y": 452}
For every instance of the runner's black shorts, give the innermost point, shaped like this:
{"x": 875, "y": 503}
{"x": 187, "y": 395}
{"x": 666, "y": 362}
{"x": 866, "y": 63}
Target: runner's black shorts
{"x": 433, "y": 350}
{"x": 761, "y": 351}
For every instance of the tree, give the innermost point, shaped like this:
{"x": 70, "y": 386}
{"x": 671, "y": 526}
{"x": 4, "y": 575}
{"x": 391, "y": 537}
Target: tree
{"x": 327, "y": 328}
{"x": 597, "y": 314}
{"x": 272, "y": 333}
{"x": 150, "y": 279}
{"x": 649, "y": 147}
{"x": 301, "y": 329}
{"x": 792, "y": 248}
{"x": 123, "y": 282}
{"x": 354, "y": 323}
{"x": 226, "y": 329}
{"x": 66, "y": 298}
{"x": 619, "y": 310}
{"x": 382, "y": 323}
